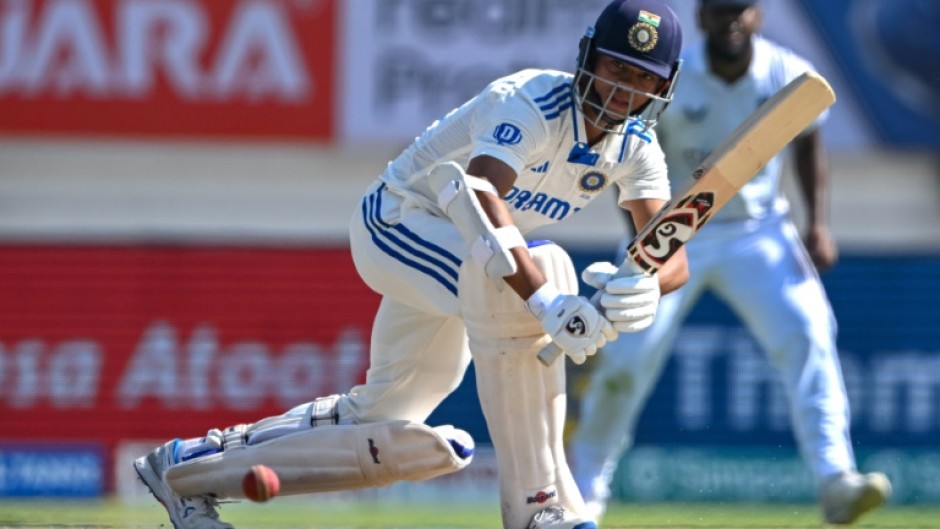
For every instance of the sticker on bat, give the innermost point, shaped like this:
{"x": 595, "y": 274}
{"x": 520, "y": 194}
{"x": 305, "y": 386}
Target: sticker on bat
{"x": 675, "y": 228}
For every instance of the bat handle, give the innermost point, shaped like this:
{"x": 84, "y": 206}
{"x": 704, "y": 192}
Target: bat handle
{"x": 629, "y": 267}
{"x": 551, "y": 352}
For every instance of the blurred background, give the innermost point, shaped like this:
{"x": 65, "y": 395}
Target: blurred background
{"x": 176, "y": 177}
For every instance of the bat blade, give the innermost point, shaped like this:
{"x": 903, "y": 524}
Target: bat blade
{"x": 722, "y": 174}
{"x": 731, "y": 165}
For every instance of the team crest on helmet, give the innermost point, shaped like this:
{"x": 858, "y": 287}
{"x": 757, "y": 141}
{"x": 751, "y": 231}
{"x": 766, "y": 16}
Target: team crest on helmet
{"x": 593, "y": 181}
{"x": 643, "y": 36}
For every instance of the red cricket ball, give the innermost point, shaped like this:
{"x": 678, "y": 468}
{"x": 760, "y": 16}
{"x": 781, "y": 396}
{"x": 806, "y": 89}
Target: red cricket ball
{"x": 261, "y": 483}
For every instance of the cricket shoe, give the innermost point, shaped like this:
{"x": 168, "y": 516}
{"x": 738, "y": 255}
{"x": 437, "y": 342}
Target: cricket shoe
{"x": 848, "y": 495}
{"x": 197, "y": 512}
{"x": 556, "y": 517}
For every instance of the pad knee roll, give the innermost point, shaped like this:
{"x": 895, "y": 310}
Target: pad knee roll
{"x": 331, "y": 458}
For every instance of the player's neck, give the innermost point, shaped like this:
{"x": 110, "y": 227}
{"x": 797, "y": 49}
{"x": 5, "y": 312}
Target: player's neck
{"x": 594, "y": 133}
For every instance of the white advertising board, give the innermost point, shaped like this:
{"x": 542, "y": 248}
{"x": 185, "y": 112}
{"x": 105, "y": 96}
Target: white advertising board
{"x": 406, "y": 63}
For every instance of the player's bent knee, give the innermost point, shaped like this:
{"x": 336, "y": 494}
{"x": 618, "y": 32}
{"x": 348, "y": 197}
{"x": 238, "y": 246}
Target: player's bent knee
{"x": 331, "y": 458}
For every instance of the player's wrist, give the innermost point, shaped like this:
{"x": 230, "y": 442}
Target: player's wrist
{"x": 543, "y": 299}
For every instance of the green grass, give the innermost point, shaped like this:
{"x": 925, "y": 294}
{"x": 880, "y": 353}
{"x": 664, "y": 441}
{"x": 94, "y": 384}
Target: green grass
{"x": 314, "y": 513}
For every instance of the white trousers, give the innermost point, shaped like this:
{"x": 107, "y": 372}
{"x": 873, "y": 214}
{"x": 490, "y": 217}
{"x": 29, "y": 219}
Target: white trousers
{"x": 419, "y": 350}
{"x": 763, "y": 273}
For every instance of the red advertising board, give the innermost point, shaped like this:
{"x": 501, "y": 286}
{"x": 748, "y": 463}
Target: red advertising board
{"x": 103, "y": 343}
{"x": 215, "y": 68}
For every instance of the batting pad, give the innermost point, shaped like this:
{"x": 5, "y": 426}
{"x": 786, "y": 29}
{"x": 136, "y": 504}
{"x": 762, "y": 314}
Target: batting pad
{"x": 331, "y": 458}
{"x": 523, "y": 401}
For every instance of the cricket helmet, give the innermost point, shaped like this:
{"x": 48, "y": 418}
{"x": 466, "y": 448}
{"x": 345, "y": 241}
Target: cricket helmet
{"x": 642, "y": 33}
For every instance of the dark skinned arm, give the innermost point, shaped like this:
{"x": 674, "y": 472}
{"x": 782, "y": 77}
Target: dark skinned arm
{"x": 813, "y": 175}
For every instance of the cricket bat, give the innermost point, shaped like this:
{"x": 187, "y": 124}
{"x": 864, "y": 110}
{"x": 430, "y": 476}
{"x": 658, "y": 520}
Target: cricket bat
{"x": 722, "y": 174}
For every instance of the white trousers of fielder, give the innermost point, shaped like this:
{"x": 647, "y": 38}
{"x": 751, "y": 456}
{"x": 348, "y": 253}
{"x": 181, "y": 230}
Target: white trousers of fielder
{"x": 762, "y": 271}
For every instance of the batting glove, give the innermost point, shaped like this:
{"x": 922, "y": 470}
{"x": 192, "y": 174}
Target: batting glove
{"x": 598, "y": 274}
{"x": 630, "y": 301}
{"x": 572, "y": 322}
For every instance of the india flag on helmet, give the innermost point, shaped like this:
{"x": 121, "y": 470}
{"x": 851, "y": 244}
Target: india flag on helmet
{"x": 649, "y": 18}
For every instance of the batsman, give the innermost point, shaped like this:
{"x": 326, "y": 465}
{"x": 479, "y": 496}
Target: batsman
{"x": 441, "y": 236}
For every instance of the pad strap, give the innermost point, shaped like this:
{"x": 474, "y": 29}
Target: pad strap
{"x": 480, "y": 184}
{"x": 506, "y": 237}
{"x": 323, "y": 411}
{"x": 450, "y": 192}
{"x": 235, "y": 437}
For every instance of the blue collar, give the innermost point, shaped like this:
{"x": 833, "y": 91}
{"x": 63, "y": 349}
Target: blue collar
{"x": 581, "y": 152}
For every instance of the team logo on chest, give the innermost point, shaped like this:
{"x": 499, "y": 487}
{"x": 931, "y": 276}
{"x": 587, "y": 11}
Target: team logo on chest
{"x": 592, "y": 181}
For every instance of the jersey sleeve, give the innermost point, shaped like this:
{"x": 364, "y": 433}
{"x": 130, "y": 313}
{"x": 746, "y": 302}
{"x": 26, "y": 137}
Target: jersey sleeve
{"x": 510, "y": 129}
{"x": 644, "y": 172}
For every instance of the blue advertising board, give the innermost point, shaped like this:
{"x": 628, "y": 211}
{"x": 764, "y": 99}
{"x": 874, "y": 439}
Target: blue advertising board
{"x": 888, "y": 310}
{"x": 51, "y": 470}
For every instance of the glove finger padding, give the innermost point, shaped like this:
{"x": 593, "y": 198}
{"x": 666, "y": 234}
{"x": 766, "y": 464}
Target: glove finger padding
{"x": 598, "y": 274}
{"x": 578, "y": 357}
{"x": 630, "y": 302}
{"x": 633, "y": 284}
{"x": 633, "y": 326}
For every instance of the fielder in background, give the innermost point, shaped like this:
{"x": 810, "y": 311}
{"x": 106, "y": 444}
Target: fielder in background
{"x": 750, "y": 255}
{"x": 440, "y": 236}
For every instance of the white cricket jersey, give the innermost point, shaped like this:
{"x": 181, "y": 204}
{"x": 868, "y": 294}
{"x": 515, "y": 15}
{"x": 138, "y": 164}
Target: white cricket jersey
{"x": 705, "y": 110}
{"x": 530, "y": 121}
